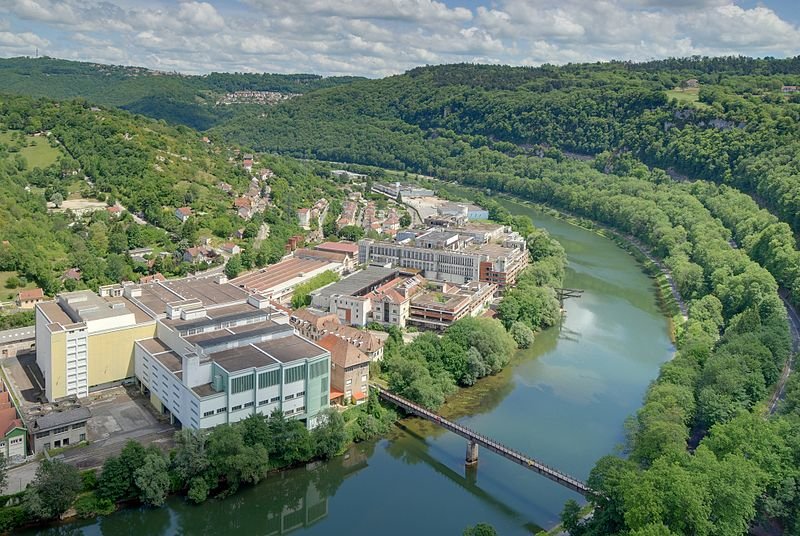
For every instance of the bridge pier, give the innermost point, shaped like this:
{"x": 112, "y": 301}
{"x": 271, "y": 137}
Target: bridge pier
{"x": 472, "y": 453}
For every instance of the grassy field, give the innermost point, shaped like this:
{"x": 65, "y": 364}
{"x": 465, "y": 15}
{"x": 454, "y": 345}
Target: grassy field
{"x": 687, "y": 96}
{"x": 7, "y": 294}
{"x": 36, "y": 150}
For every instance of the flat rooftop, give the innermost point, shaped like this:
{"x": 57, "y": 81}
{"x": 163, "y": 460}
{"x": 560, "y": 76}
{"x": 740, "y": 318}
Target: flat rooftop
{"x": 281, "y": 350}
{"x": 288, "y": 349}
{"x": 155, "y": 296}
{"x": 492, "y": 250}
{"x": 278, "y": 274}
{"x": 231, "y": 313}
{"x": 85, "y": 306}
{"x": 359, "y": 283}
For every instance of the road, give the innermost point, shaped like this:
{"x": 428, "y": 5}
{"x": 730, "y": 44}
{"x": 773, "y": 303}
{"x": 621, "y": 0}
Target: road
{"x": 17, "y": 334}
{"x": 794, "y": 328}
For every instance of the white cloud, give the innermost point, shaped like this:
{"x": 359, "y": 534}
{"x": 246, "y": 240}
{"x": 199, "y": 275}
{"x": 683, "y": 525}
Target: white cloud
{"x": 381, "y": 37}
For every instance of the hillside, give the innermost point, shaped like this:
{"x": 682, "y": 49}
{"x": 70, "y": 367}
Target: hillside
{"x": 176, "y": 98}
{"x": 83, "y": 157}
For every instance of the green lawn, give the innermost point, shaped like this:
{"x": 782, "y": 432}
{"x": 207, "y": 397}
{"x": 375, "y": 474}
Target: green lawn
{"x": 7, "y": 294}
{"x": 689, "y": 96}
{"x": 36, "y": 150}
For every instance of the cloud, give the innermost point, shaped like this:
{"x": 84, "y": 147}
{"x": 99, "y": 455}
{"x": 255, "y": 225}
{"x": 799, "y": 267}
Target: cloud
{"x": 382, "y": 37}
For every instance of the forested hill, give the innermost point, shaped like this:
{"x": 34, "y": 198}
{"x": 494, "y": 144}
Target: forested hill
{"x": 725, "y": 119}
{"x": 176, "y": 98}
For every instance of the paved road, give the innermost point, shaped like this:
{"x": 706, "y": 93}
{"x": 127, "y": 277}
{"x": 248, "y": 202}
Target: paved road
{"x": 20, "y": 476}
{"x": 794, "y": 329}
{"x": 17, "y": 334}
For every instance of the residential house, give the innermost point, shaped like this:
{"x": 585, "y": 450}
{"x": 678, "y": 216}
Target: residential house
{"x": 349, "y": 371}
{"x": 114, "y": 211}
{"x": 230, "y": 247}
{"x": 314, "y": 325}
{"x": 27, "y": 299}
{"x": 790, "y": 89}
{"x": 13, "y": 434}
{"x": 73, "y": 273}
{"x": 225, "y": 187}
{"x": 158, "y": 276}
{"x": 692, "y": 83}
{"x": 199, "y": 254}
{"x": 183, "y": 213}
{"x": 247, "y": 162}
{"x": 60, "y": 429}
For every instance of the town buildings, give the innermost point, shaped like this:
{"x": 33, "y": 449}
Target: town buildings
{"x": 278, "y": 281}
{"x": 58, "y": 429}
{"x": 183, "y": 213}
{"x": 314, "y": 325}
{"x": 206, "y": 352}
{"x": 452, "y": 255}
{"x": 404, "y": 190}
{"x": 349, "y": 370}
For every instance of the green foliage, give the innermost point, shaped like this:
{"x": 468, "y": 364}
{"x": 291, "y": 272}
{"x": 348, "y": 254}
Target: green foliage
{"x": 301, "y": 296}
{"x": 53, "y": 490}
{"x": 330, "y": 436}
{"x": 88, "y": 480}
{"x": 89, "y": 505}
{"x": 117, "y": 479}
{"x": 151, "y": 478}
{"x": 12, "y": 517}
{"x": 522, "y": 334}
{"x": 481, "y": 529}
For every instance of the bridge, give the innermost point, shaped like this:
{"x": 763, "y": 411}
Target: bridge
{"x": 474, "y": 439}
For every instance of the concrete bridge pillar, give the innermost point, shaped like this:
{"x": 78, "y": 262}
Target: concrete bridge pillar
{"x": 472, "y": 453}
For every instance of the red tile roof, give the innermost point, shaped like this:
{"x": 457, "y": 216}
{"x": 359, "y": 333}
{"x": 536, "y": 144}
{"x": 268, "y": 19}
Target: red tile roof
{"x": 339, "y": 247}
{"x": 343, "y": 354}
{"x": 31, "y": 294}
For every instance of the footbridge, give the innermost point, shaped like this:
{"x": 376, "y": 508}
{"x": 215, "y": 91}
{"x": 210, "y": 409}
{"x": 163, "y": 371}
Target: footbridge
{"x": 474, "y": 439}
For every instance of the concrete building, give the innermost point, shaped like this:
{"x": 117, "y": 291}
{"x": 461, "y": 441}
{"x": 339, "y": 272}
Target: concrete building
{"x": 278, "y": 281}
{"x": 59, "y": 429}
{"x": 452, "y": 256}
{"x": 439, "y": 305}
{"x": 466, "y": 211}
{"x": 349, "y": 370}
{"x": 348, "y": 298}
{"x": 304, "y": 218}
{"x": 406, "y": 191}
{"x": 85, "y": 341}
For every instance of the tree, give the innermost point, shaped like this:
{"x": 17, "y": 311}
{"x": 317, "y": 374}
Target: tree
{"x": 152, "y": 478}
{"x": 351, "y": 232}
{"x": 233, "y": 267}
{"x": 57, "y": 199}
{"x": 571, "y": 518}
{"x": 481, "y": 529}
{"x": 53, "y": 490}
{"x": 522, "y": 334}
{"x": 330, "y": 435}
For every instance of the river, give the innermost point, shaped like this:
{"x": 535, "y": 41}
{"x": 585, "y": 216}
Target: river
{"x": 563, "y": 401}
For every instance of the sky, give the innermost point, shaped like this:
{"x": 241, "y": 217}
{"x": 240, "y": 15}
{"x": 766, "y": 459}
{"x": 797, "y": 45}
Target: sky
{"x": 376, "y": 38}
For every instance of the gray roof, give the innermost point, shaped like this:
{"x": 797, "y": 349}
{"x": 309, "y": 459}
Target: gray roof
{"x": 55, "y": 419}
{"x": 359, "y": 283}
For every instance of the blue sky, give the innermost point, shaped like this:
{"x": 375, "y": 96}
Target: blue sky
{"x": 381, "y": 37}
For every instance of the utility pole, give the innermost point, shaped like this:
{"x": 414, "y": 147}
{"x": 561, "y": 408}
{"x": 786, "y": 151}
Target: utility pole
{"x": 564, "y": 293}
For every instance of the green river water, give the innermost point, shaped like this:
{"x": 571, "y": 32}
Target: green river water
{"x": 564, "y": 401}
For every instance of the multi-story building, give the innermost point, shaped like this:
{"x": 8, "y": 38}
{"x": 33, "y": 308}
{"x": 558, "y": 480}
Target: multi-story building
{"x": 13, "y": 434}
{"x": 85, "y": 341}
{"x": 441, "y": 304}
{"x": 206, "y": 351}
{"x": 278, "y": 281}
{"x": 406, "y": 191}
{"x": 451, "y": 256}
{"x": 315, "y": 324}
{"x": 349, "y": 370}
{"x": 59, "y": 429}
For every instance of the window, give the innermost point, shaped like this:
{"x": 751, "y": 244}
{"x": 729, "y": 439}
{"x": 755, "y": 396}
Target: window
{"x": 15, "y": 441}
{"x": 295, "y": 374}
{"x": 61, "y": 429}
{"x": 363, "y": 377}
{"x": 236, "y": 408}
{"x": 78, "y": 426}
{"x": 263, "y": 402}
{"x": 274, "y": 399}
{"x": 288, "y": 397}
{"x": 349, "y": 381}
{"x": 248, "y": 404}
{"x": 301, "y": 393}
{"x": 65, "y": 442}
{"x": 208, "y": 413}
{"x": 41, "y": 435}
{"x": 269, "y": 378}
{"x": 221, "y": 410}
{"x": 242, "y": 383}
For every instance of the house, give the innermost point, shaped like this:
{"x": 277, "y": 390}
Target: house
{"x": 349, "y": 370}
{"x": 247, "y": 162}
{"x": 183, "y": 213}
{"x": 230, "y": 247}
{"x": 158, "y": 276}
{"x": 245, "y": 213}
{"x": 790, "y": 89}
{"x": 73, "y": 274}
{"x": 199, "y": 254}
{"x": 27, "y": 299}
{"x": 13, "y": 434}
{"x": 239, "y": 233}
{"x": 206, "y": 140}
{"x": 242, "y": 202}
{"x": 225, "y": 187}
{"x": 114, "y": 211}
{"x": 60, "y": 429}
{"x": 304, "y": 218}
{"x": 692, "y": 83}
{"x": 314, "y": 325}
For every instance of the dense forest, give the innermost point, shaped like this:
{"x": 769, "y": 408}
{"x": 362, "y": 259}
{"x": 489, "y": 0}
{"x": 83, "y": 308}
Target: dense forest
{"x": 696, "y": 158}
{"x": 176, "y": 98}
{"x": 591, "y": 139}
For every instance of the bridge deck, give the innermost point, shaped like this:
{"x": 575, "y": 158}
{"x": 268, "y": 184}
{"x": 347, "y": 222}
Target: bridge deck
{"x": 530, "y": 463}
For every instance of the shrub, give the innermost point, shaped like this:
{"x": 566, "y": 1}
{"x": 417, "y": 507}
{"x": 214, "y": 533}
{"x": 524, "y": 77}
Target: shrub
{"x": 12, "y": 517}
{"x": 90, "y": 505}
